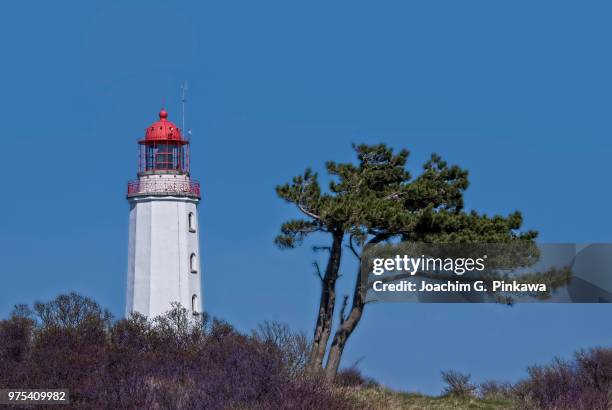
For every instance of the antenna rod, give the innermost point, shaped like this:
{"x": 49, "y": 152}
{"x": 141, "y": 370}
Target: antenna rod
{"x": 183, "y": 101}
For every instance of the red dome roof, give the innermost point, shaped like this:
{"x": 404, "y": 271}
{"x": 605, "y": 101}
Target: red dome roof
{"x": 163, "y": 129}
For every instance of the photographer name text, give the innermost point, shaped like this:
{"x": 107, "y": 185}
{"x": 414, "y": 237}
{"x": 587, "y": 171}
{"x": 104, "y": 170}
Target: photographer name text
{"x": 457, "y": 286}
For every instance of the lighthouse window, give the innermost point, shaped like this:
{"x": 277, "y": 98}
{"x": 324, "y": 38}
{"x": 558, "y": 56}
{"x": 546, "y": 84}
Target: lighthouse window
{"x": 150, "y": 155}
{"x": 193, "y": 263}
{"x": 174, "y": 157}
{"x": 165, "y": 155}
{"x": 194, "y": 303}
{"x": 191, "y": 222}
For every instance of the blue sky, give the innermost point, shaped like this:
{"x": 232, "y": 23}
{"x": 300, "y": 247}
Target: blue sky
{"x": 516, "y": 92}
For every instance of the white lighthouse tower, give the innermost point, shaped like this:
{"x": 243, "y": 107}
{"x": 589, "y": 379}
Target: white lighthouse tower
{"x": 163, "y": 251}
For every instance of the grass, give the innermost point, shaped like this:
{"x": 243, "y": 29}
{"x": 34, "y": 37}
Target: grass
{"x": 381, "y": 398}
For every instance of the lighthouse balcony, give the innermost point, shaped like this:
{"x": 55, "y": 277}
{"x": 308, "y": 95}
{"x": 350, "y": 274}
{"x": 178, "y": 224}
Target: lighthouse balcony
{"x": 163, "y": 187}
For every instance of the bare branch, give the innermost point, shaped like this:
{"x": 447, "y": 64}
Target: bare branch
{"x": 381, "y": 236}
{"x": 351, "y": 246}
{"x": 308, "y": 230}
{"x": 318, "y": 270}
{"x": 307, "y": 212}
{"x": 342, "y": 310}
{"x": 395, "y": 195}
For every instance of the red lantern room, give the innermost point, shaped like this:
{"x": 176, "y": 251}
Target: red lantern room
{"x": 163, "y": 149}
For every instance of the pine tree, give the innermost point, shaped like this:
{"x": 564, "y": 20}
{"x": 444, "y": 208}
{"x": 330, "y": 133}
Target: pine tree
{"x": 374, "y": 201}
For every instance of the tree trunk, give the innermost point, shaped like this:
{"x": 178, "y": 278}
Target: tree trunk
{"x": 347, "y": 326}
{"x": 326, "y": 304}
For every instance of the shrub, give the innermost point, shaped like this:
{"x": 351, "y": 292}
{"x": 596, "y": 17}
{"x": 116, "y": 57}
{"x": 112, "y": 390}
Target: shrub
{"x": 15, "y": 347}
{"x": 584, "y": 383}
{"x": 457, "y": 384}
{"x": 173, "y": 361}
{"x": 352, "y": 377}
{"x": 494, "y": 390}
{"x": 294, "y": 347}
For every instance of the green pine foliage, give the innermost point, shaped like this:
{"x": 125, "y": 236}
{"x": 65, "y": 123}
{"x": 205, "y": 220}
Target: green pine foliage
{"x": 377, "y": 197}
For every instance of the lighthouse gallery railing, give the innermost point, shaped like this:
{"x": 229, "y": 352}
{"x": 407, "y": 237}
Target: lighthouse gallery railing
{"x": 163, "y": 187}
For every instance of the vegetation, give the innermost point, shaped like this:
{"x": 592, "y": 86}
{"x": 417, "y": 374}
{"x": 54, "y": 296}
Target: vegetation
{"x": 385, "y": 399}
{"x": 374, "y": 201}
{"x": 177, "y": 361}
{"x": 171, "y": 362}
{"x": 457, "y": 384}
{"x": 584, "y": 383}
{"x": 580, "y": 384}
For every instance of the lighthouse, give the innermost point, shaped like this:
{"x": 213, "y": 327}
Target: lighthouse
{"x": 163, "y": 247}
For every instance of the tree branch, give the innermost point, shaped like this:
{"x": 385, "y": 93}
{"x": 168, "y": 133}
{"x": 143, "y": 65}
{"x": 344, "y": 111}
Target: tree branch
{"x": 380, "y": 236}
{"x": 352, "y": 247}
{"x": 307, "y": 212}
{"x": 342, "y": 310}
{"x": 395, "y": 195}
{"x": 318, "y": 270}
